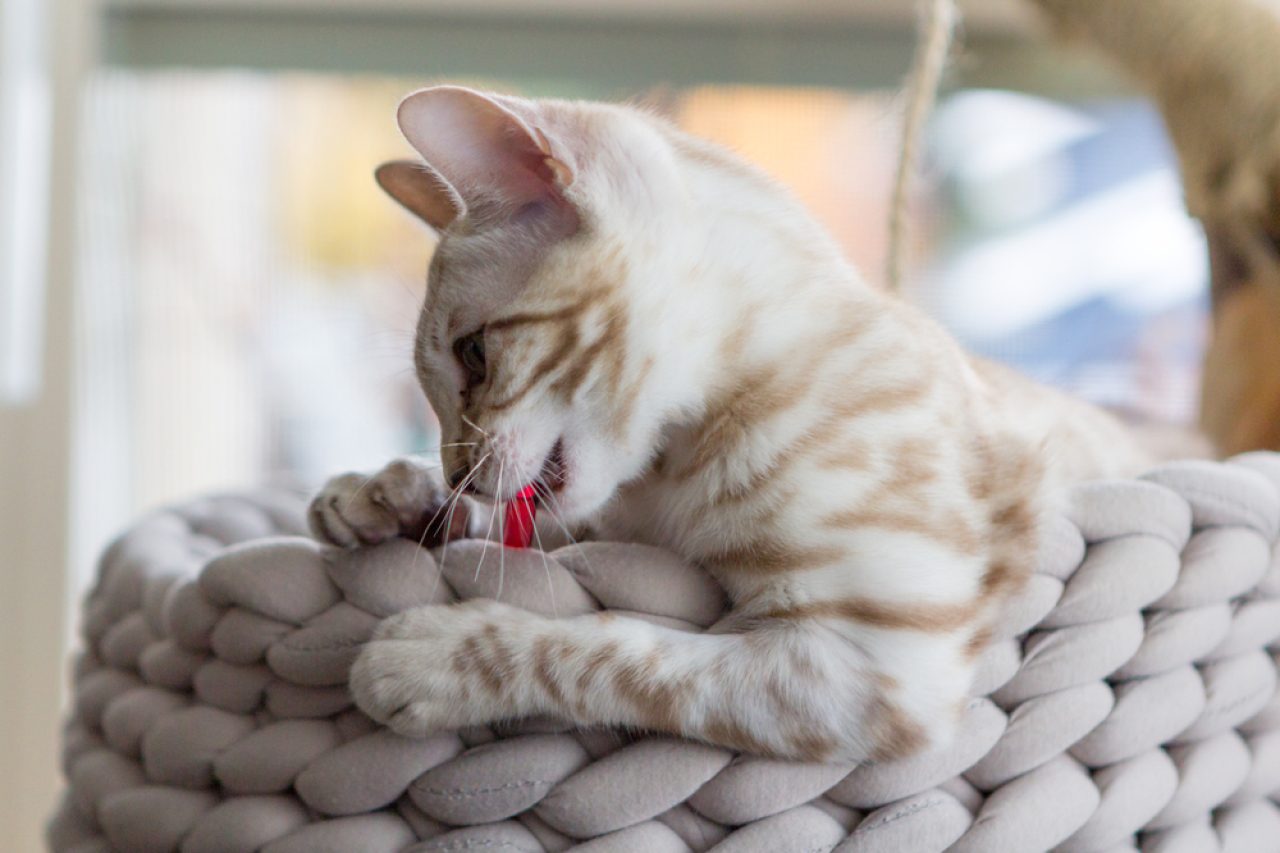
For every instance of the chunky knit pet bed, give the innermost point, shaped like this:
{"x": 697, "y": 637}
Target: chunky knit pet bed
{"x": 1130, "y": 701}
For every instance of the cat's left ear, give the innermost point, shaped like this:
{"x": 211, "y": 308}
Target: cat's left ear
{"x": 484, "y": 149}
{"x": 420, "y": 191}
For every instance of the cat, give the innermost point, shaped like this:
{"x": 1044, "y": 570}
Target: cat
{"x": 662, "y": 340}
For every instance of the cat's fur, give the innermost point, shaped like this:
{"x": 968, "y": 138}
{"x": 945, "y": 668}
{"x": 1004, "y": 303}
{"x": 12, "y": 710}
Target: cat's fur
{"x": 722, "y": 384}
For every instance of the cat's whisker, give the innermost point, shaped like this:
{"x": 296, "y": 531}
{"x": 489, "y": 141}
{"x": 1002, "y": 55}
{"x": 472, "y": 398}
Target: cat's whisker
{"x": 549, "y": 502}
{"x": 474, "y": 425}
{"x": 502, "y": 552}
{"x": 456, "y": 492}
{"x": 555, "y": 608}
{"x": 426, "y": 531}
{"x": 491, "y": 516}
{"x": 350, "y": 498}
{"x": 480, "y": 563}
{"x": 488, "y": 535}
{"x": 452, "y": 503}
{"x": 435, "y": 584}
{"x": 424, "y": 461}
{"x": 450, "y": 506}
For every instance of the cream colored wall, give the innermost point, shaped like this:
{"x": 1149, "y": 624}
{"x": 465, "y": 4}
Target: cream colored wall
{"x": 35, "y": 498}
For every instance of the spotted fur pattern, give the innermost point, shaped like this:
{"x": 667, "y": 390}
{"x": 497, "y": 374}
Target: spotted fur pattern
{"x": 712, "y": 377}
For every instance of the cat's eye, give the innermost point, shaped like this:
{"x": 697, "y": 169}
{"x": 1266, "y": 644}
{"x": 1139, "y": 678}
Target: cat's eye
{"x": 469, "y": 350}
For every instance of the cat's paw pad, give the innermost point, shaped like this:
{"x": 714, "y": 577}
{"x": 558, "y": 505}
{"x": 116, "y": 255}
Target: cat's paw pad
{"x": 406, "y": 498}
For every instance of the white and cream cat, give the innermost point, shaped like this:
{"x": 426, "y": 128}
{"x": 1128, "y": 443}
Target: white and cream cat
{"x": 660, "y": 338}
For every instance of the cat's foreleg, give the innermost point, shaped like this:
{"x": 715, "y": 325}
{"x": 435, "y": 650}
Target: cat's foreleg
{"x": 797, "y": 691}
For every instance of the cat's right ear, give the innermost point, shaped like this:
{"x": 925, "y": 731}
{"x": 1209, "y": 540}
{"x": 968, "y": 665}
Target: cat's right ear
{"x": 420, "y": 191}
{"x": 486, "y": 151}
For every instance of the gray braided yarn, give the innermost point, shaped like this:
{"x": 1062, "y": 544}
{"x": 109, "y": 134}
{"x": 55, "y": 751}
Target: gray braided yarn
{"x": 1129, "y": 701}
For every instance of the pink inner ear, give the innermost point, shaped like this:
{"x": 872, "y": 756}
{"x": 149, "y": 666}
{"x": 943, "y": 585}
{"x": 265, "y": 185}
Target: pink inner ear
{"x": 481, "y": 148}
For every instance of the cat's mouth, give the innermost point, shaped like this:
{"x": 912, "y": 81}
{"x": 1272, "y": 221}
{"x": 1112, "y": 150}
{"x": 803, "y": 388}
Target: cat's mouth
{"x": 554, "y": 474}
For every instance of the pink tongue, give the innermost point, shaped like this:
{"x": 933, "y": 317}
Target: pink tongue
{"x": 518, "y": 530}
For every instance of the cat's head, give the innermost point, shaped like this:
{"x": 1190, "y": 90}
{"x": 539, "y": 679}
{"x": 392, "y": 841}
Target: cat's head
{"x": 540, "y": 344}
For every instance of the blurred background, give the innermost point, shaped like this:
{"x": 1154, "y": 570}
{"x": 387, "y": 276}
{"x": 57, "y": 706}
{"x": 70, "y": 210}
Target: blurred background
{"x": 201, "y": 288}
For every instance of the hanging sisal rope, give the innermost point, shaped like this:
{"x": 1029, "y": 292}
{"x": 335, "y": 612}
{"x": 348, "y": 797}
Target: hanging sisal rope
{"x": 937, "y": 31}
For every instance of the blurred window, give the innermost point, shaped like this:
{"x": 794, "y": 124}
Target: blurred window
{"x": 1064, "y": 248}
{"x": 24, "y": 172}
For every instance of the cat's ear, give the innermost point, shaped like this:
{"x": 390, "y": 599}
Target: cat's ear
{"x": 420, "y": 191}
{"x": 483, "y": 149}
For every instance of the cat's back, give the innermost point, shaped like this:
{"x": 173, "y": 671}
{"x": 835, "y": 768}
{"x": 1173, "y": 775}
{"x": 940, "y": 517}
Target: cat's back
{"x": 1078, "y": 440}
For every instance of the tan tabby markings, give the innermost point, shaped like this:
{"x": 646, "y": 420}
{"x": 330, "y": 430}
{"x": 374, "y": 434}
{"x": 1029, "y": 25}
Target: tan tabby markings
{"x": 473, "y": 661}
{"x": 999, "y": 575}
{"x": 978, "y": 642}
{"x": 1014, "y": 519}
{"x": 542, "y": 670}
{"x": 1011, "y": 522}
{"x": 854, "y": 455}
{"x": 811, "y": 746}
{"x": 981, "y": 474}
{"x": 761, "y": 395}
{"x": 925, "y": 617}
{"x": 782, "y": 463}
{"x": 735, "y": 343}
{"x": 802, "y": 664}
{"x": 778, "y": 694}
{"x": 952, "y": 531}
{"x": 770, "y": 556}
{"x": 758, "y": 397}
{"x": 566, "y": 341}
{"x": 884, "y": 400}
{"x": 914, "y": 463}
{"x": 626, "y": 400}
{"x": 565, "y": 356}
{"x": 894, "y": 733}
{"x": 657, "y": 703}
{"x": 560, "y": 315}
{"x": 723, "y": 730}
{"x": 597, "y": 661}
{"x": 610, "y": 341}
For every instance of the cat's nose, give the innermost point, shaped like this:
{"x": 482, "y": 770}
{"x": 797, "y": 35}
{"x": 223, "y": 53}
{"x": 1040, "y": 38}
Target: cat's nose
{"x": 457, "y": 476}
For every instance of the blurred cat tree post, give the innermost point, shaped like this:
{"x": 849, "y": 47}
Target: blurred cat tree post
{"x": 1212, "y": 69}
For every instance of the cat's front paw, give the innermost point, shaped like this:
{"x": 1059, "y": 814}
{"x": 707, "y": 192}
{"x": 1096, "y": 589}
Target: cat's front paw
{"x": 406, "y": 498}
{"x": 437, "y": 668}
